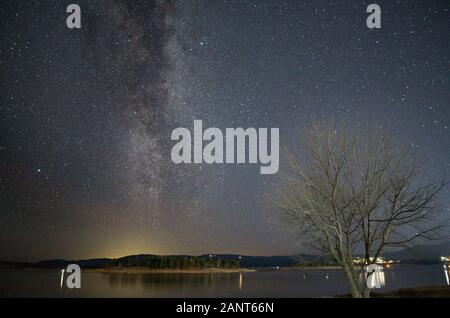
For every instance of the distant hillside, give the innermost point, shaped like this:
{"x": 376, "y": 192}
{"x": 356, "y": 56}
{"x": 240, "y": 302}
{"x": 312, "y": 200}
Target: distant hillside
{"x": 17, "y": 265}
{"x": 150, "y": 261}
{"x": 421, "y": 254}
{"x": 89, "y": 263}
{"x": 207, "y": 260}
{"x": 273, "y": 261}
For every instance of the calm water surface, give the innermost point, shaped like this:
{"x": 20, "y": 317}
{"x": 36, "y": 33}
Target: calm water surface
{"x": 292, "y": 283}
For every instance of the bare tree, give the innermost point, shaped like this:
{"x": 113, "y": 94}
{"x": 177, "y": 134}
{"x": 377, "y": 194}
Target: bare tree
{"x": 349, "y": 194}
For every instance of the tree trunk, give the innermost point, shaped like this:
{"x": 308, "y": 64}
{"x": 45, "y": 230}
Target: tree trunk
{"x": 366, "y": 293}
{"x": 354, "y": 285}
{"x": 366, "y": 290}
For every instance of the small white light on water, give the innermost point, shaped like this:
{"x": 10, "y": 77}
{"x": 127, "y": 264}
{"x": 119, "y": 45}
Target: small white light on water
{"x": 62, "y": 277}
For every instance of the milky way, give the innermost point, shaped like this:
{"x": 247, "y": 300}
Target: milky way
{"x": 86, "y": 115}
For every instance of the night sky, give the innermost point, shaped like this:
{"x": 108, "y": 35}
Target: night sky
{"x": 86, "y": 115}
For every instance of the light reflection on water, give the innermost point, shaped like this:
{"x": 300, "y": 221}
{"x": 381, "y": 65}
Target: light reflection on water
{"x": 241, "y": 281}
{"x": 277, "y": 283}
{"x": 447, "y": 274}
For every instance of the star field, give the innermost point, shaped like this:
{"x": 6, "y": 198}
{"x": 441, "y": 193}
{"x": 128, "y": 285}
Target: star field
{"x": 86, "y": 115}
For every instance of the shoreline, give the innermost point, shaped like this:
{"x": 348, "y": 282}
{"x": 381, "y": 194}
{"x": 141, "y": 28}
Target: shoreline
{"x": 144, "y": 270}
{"x": 412, "y": 292}
{"x": 301, "y": 268}
{"x": 417, "y": 292}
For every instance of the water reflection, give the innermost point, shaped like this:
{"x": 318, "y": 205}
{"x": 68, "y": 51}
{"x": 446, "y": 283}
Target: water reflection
{"x": 447, "y": 273}
{"x": 446, "y": 262}
{"x": 273, "y": 283}
{"x": 241, "y": 281}
{"x": 178, "y": 284}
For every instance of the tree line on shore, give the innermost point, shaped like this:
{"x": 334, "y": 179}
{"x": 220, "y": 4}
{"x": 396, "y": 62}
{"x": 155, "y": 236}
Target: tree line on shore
{"x": 173, "y": 262}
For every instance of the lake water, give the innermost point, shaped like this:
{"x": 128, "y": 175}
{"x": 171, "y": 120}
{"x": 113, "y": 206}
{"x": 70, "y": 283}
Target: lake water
{"x": 276, "y": 283}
